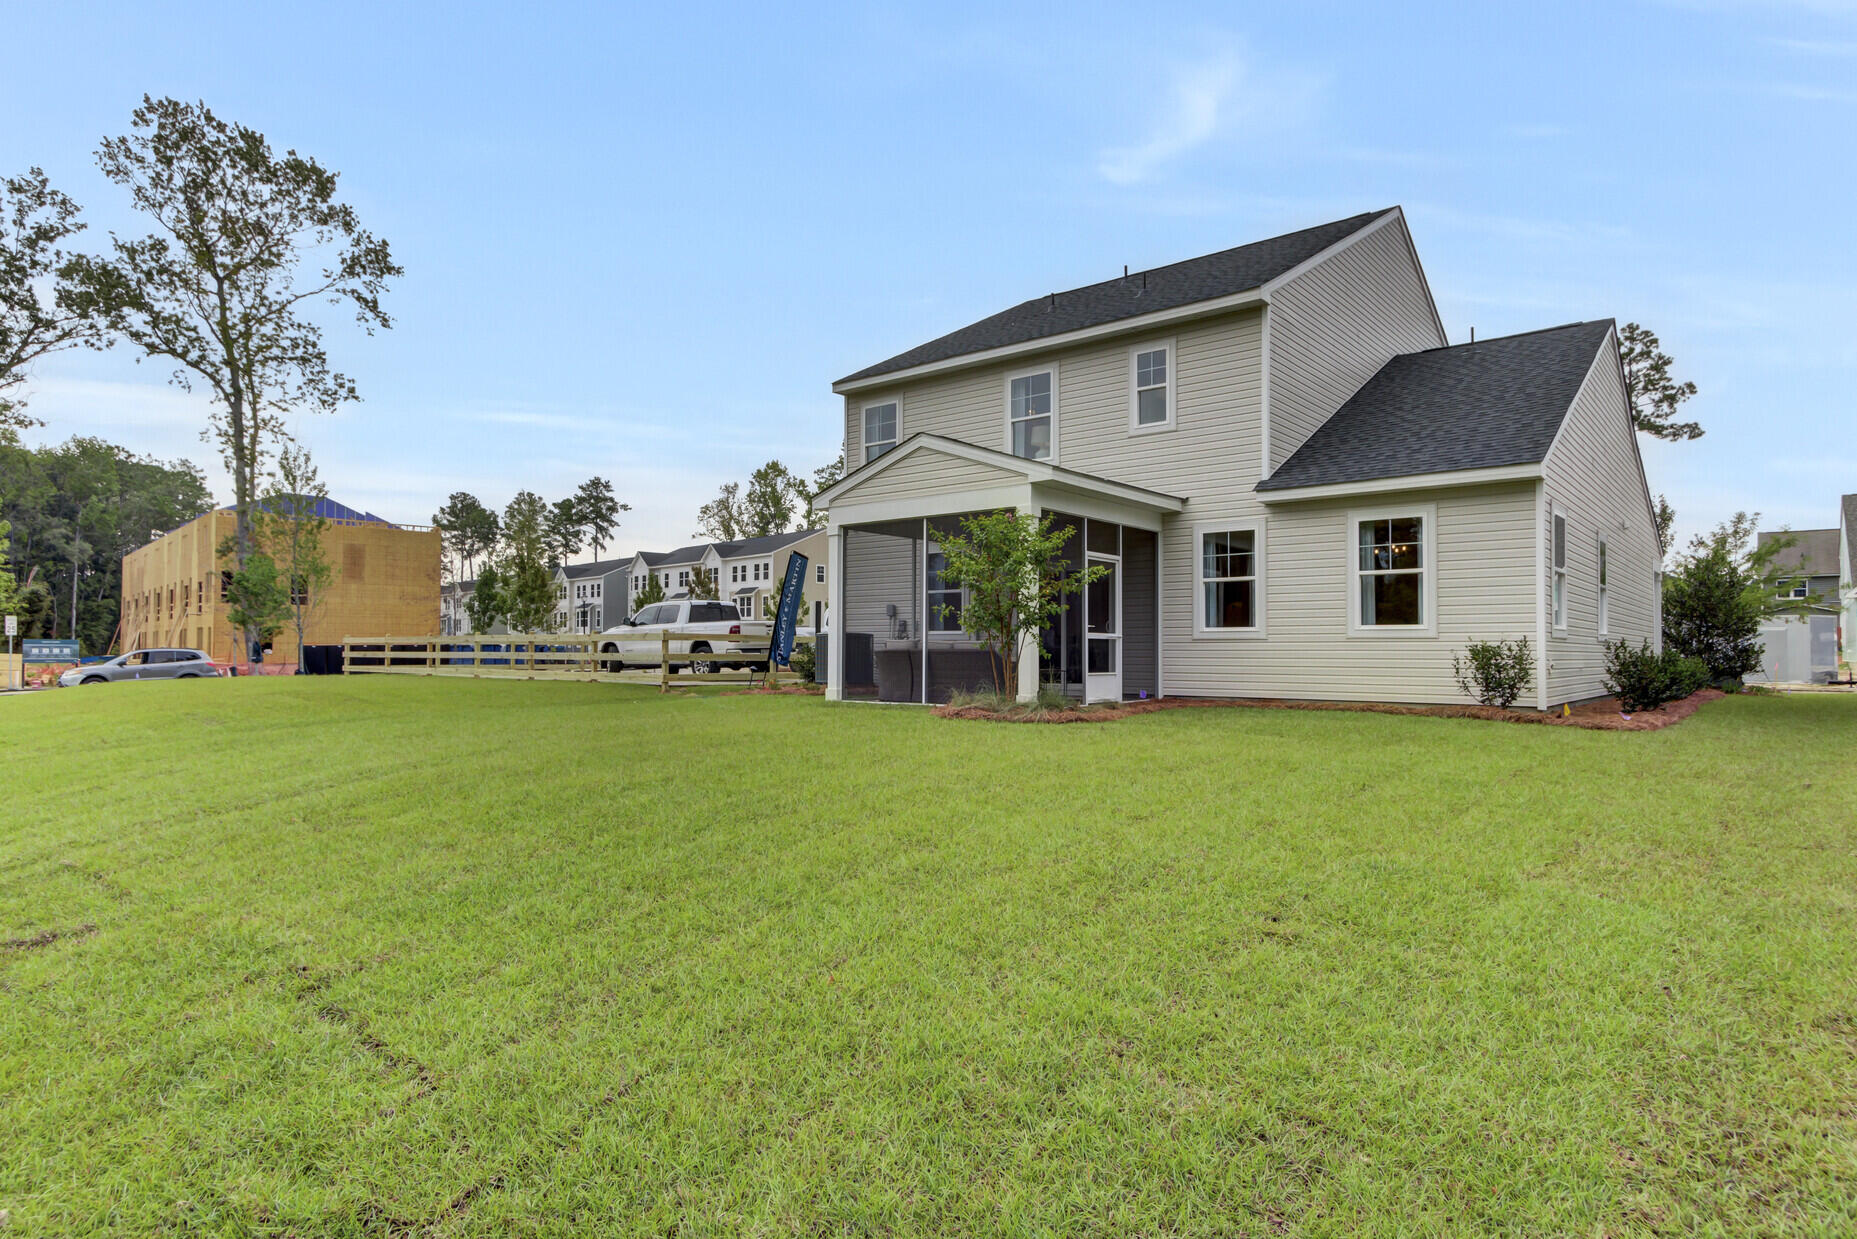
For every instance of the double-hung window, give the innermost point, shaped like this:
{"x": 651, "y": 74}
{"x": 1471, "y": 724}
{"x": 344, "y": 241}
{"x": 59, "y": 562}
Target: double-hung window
{"x": 1558, "y": 598}
{"x": 944, "y": 599}
{"x": 1391, "y": 580}
{"x": 1031, "y": 414}
{"x": 1605, "y": 600}
{"x": 1151, "y": 387}
{"x": 1231, "y": 595}
{"x": 879, "y": 429}
{"x": 820, "y": 570}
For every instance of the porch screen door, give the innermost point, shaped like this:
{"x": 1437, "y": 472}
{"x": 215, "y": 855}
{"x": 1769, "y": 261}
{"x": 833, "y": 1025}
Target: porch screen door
{"x": 1102, "y": 607}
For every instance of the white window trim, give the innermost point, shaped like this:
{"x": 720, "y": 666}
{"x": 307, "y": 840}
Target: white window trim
{"x": 1006, "y": 408}
{"x": 1134, "y": 391}
{"x": 1197, "y": 579}
{"x": 1428, "y": 570}
{"x": 1602, "y": 573}
{"x": 1558, "y": 575}
{"x": 864, "y": 427}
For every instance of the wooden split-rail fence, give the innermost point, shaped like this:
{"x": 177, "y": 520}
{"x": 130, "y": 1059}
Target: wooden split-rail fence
{"x": 560, "y": 656}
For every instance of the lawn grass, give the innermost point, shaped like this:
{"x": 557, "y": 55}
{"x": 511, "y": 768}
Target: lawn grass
{"x": 400, "y": 956}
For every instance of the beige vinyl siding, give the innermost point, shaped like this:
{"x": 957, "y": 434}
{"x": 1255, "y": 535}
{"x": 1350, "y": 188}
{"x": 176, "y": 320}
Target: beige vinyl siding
{"x": 1485, "y": 552}
{"x": 926, "y": 471}
{"x": 1213, "y": 448}
{"x": 1594, "y": 476}
{"x": 1336, "y": 324}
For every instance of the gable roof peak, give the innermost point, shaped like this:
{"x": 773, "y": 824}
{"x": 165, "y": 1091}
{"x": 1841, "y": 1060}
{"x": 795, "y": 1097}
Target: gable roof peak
{"x": 1225, "y": 273}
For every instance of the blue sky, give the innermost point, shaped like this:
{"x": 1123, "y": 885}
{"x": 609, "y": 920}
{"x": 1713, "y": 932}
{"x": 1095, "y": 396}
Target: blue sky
{"x": 642, "y": 242}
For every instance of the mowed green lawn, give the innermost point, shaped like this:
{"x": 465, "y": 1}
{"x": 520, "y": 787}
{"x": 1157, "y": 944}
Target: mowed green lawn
{"x": 396, "y": 956}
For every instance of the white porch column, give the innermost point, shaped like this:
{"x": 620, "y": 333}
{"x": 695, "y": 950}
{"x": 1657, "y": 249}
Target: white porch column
{"x": 1028, "y": 644}
{"x": 835, "y": 594}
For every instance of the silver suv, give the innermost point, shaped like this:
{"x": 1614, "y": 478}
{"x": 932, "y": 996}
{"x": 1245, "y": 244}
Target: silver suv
{"x": 143, "y": 665}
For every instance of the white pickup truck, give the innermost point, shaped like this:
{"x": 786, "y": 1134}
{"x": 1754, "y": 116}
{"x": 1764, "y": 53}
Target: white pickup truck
{"x": 703, "y": 627}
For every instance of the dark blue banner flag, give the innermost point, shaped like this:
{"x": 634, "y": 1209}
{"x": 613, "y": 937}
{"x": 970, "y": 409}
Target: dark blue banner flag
{"x": 786, "y": 620}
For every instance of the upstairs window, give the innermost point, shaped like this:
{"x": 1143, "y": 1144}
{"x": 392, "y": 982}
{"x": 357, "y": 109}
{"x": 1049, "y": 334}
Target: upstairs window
{"x": 1151, "y": 399}
{"x": 1031, "y": 412}
{"x": 821, "y": 573}
{"x": 1392, "y": 577}
{"x": 1559, "y": 597}
{"x": 879, "y": 429}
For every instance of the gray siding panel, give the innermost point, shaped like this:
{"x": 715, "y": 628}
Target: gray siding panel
{"x": 1138, "y": 613}
{"x": 1337, "y": 323}
{"x": 1594, "y": 476}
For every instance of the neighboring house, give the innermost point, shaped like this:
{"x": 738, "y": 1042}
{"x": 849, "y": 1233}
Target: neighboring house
{"x": 1810, "y": 565}
{"x": 749, "y": 571}
{"x": 454, "y": 599}
{"x": 385, "y": 579}
{"x": 585, "y": 594}
{"x": 1297, "y": 487}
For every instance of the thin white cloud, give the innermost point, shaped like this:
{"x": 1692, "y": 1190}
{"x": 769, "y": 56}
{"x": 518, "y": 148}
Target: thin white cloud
{"x": 1816, "y": 47}
{"x": 1199, "y": 93}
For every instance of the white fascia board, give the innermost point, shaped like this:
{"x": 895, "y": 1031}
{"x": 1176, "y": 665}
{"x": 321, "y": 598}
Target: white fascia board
{"x": 1035, "y": 471}
{"x": 1414, "y": 481}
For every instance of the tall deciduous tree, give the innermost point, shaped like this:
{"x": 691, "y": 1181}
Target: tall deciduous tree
{"x": 599, "y": 511}
{"x": 722, "y": 518}
{"x": 245, "y": 239}
{"x": 291, "y": 526}
{"x": 768, "y": 505}
{"x": 470, "y": 529}
{"x": 37, "y": 316}
{"x": 562, "y": 532}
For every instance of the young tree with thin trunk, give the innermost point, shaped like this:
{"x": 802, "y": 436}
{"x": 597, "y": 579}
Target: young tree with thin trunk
{"x": 1013, "y": 578}
{"x": 702, "y": 583}
{"x": 485, "y": 605}
{"x": 599, "y": 512}
{"x": 652, "y": 591}
{"x": 37, "y": 317}
{"x": 291, "y": 526}
{"x": 245, "y": 239}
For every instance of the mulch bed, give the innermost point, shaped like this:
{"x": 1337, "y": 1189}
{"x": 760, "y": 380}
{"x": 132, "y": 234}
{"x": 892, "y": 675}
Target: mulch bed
{"x": 1601, "y": 715}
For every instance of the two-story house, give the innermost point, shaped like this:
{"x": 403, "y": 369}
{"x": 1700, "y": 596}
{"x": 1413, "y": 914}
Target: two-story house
{"x": 749, "y": 571}
{"x": 585, "y": 594}
{"x": 1296, "y": 486}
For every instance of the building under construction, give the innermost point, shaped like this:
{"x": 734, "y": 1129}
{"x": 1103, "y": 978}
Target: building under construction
{"x": 384, "y": 580}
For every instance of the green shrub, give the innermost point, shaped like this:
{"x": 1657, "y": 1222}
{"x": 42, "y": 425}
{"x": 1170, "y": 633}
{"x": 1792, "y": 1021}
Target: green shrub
{"x": 801, "y": 661}
{"x": 1495, "y": 672}
{"x": 1643, "y": 680}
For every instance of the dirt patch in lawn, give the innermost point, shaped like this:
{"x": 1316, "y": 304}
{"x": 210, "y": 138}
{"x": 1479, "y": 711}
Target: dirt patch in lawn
{"x": 785, "y": 690}
{"x": 46, "y": 938}
{"x": 1600, "y": 715}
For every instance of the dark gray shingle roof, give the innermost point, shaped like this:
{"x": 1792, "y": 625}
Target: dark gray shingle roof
{"x": 1143, "y": 292}
{"x": 1467, "y": 406}
{"x": 762, "y": 545}
{"x": 598, "y": 567}
{"x": 1814, "y": 552}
